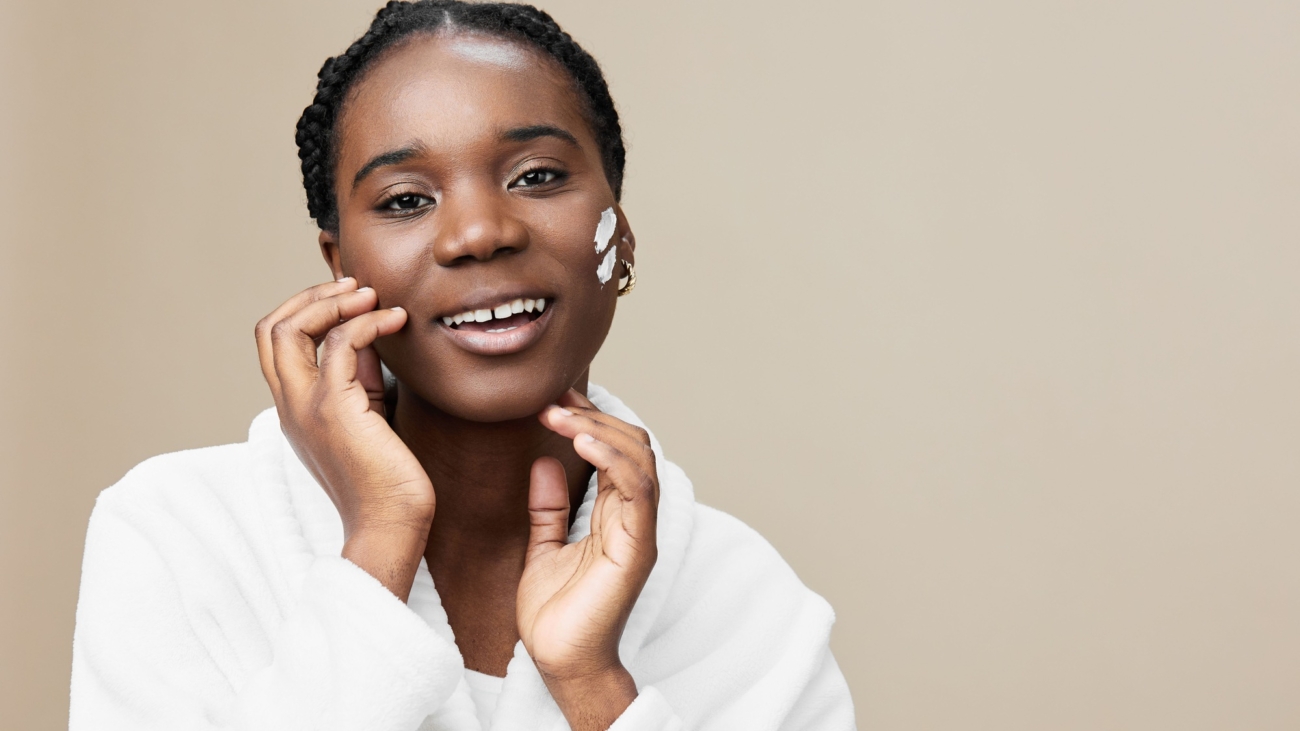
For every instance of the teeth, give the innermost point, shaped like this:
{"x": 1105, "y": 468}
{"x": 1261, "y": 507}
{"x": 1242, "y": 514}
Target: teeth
{"x": 500, "y": 312}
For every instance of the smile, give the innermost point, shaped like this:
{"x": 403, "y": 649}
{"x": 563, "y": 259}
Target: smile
{"x": 501, "y": 330}
{"x": 512, "y": 315}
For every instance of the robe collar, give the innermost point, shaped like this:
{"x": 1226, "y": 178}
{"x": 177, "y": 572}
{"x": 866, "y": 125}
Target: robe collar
{"x": 305, "y": 527}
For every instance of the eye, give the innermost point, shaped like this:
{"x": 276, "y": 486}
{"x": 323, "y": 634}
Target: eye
{"x": 407, "y": 202}
{"x": 537, "y": 177}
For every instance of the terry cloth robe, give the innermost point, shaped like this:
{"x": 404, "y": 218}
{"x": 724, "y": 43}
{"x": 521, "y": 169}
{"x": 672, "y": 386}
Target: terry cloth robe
{"x": 214, "y": 596}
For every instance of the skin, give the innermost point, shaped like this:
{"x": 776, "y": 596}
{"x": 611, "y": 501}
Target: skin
{"x": 476, "y": 466}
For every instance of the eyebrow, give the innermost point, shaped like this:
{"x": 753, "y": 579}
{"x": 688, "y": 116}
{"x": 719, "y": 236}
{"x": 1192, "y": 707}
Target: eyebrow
{"x": 392, "y": 157}
{"x": 518, "y": 134}
{"x": 532, "y": 132}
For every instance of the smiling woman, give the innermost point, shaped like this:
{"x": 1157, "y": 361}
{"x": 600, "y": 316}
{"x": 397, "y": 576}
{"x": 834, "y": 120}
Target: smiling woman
{"x": 407, "y": 557}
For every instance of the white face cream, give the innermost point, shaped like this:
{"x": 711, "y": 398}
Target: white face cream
{"x": 606, "y": 268}
{"x": 491, "y": 51}
{"x": 605, "y": 232}
{"x": 605, "y": 229}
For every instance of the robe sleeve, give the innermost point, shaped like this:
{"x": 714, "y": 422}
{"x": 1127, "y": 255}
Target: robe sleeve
{"x": 742, "y": 644}
{"x": 154, "y": 649}
{"x": 824, "y": 705}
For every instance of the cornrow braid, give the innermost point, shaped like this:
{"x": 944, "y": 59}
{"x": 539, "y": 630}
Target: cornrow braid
{"x": 397, "y": 20}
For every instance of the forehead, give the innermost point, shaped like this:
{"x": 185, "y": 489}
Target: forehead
{"x": 448, "y": 90}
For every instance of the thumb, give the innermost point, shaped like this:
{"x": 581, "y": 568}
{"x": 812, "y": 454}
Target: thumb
{"x": 548, "y": 507}
{"x": 370, "y": 374}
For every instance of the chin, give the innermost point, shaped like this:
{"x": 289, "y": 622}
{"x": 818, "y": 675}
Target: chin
{"x": 485, "y": 392}
{"x": 489, "y": 401}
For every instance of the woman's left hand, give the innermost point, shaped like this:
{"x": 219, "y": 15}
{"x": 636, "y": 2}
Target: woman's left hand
{"x": 574, "y": 598}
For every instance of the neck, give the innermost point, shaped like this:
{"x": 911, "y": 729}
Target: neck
{"x": 480, "y": 474}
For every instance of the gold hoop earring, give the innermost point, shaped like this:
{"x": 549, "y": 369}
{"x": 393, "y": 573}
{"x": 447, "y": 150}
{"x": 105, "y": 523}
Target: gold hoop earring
{"x": 631, "y": 278}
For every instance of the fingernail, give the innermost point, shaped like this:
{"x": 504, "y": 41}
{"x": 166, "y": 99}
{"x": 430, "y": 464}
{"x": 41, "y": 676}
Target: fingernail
{"x": 561, "y": 410}
{"x": 365, "y": 289}
{"x": 585, "y": 438}
{"x": 344, "y": 280}
{"x": 398, "y": 309}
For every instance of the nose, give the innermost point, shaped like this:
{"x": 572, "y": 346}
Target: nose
{"x": 477, "y": 227}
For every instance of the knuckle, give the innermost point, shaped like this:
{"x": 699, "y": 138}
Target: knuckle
{"x": 336, "y": 338}
{"x": 262, "y": 328}
{"x": 281, "y": 330}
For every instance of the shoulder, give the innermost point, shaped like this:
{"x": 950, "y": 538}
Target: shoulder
{"x": 727, "y": 557}
{"x": 205, "y": 487}
{"x": 185, "y": 529}
{"x": 737, "y": 620}
{"x": 182, "y": 485}
{"x": 194, "y": 510}
{"x": 733, "y": 586}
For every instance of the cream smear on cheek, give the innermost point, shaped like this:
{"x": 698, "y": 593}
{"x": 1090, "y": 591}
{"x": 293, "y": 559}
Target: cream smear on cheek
{"x": 605, "y": 232}
{"x": 606, "y": 268}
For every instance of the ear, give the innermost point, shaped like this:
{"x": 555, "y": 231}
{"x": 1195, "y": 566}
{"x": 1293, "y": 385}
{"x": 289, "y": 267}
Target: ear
{"x": 624, "y": 235}
{"x": 329, "y": 248}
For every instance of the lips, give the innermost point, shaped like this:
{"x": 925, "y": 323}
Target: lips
{"x": 500, "y": 330}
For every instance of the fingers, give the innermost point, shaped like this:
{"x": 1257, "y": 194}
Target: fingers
{"x": 621, "y": 454}
{"x": 570, "y": 421}
{"x": 637, "y": 490}
{"x": 573, "y": 398}
{"x": 627, "y": 443}
{"x": 339, "y": 360}
{"x": 548, "y": 507}
{"x": 294, "y": 338}
{"x": 576, "y": 401}
{"x": 370, "y": 374}
{"x": 262, "y": 332}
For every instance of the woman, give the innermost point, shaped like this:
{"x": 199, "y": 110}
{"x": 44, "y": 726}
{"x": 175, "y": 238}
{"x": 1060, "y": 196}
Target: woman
{"x": 408, "y": 558}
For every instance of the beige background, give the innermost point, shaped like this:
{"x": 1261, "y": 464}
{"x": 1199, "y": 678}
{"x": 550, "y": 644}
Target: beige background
{"x": 986, "y": 314}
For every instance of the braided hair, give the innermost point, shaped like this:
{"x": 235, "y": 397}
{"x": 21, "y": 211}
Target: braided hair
{"x": 398, "y": 20}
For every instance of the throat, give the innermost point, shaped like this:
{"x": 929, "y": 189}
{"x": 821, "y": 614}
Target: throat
{"x": 479, "y": 598}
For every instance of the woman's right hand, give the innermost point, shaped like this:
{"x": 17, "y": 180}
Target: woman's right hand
{"x": 332, "y": 412}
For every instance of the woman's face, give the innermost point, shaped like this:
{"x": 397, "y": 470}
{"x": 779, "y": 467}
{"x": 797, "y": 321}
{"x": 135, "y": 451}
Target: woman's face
{"x": 467, "y": 179}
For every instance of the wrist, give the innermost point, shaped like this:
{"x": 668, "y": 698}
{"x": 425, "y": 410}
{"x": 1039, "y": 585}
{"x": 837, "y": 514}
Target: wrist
{"x": 591, "y": 698}
{"x": 396, "y": 518}
{"x": 390, "y": 553}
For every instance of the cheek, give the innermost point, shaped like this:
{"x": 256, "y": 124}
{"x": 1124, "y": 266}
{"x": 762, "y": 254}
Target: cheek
{"x": 592, "y": 251}
{"x": 591, "y": 254}
{"x": 588, "y": 247}
{"x": 586, "y": 244}
{"x": 392, "y": 268}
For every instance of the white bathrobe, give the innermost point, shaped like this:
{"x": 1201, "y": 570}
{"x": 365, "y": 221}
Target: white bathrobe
{"x": 213, "y": 596}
